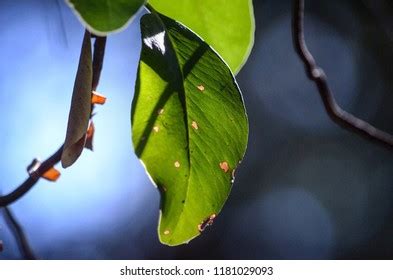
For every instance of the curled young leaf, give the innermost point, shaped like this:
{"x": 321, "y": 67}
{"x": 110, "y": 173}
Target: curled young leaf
{"x": 188, "y": 119}
{"x": 80, "y": 111}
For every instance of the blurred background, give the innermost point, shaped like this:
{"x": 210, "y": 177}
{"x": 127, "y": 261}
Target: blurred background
{"x": 307, "y": 189}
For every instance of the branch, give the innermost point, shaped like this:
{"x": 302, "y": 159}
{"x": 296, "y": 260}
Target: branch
{"x": 99, "y": 52}
{"x": 316, "y": 74}
{"x": 98, "y": 60}
{"x": 19, "y": 234}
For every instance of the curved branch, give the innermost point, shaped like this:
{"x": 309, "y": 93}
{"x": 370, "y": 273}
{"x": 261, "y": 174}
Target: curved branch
{"x": 98, "y": 58}
{"x": 316, "y": 74}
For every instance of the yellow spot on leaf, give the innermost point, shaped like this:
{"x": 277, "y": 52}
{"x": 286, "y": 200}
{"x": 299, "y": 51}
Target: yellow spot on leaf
{"x": 177, "y": 164}
{"x": 195, "y": 125}
{"x": 201, "y": 87}
{"x": 161, "y": 111}
{"x": 167, "y": 232}
{"x": 156, "y": 129}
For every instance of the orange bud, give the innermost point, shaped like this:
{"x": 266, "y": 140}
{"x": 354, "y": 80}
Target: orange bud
{"x": 97, "y": 98}
{"x": 51, "y": 175}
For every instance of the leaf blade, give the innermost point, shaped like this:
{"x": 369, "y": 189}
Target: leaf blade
{"x": 188, "y": 118}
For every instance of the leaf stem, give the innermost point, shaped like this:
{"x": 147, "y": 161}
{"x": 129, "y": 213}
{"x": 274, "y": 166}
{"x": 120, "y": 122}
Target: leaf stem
{"x": 318, "y": 76}
{"x": 98, "y": 60}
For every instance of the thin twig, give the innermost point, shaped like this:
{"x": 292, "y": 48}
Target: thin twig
{"x": 99, "y": 52}
{"x": 32, "y": 180}
{"x": 19, "y": 234}
{"x": 316, "y": 74}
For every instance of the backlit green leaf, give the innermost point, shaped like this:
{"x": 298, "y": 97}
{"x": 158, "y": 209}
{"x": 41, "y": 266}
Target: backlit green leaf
{"x": 104, "y": 16}
{"x": 189, "y": 126}
{"x": 227, "y": 25}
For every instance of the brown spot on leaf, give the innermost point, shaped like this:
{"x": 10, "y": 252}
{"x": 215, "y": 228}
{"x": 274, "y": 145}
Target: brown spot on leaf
{"x": 224, "y": 166}
{"x": 207, "y": 222}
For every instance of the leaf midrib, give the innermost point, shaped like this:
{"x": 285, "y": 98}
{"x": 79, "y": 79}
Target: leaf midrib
{"x": 173, "y": 44}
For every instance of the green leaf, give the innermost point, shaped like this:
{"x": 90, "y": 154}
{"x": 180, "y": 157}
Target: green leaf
{"x": 227, "y": 25}
{"x": 78, "y": 120}
{"x": 105, "y": 16}
{"x": 189, "y": 126}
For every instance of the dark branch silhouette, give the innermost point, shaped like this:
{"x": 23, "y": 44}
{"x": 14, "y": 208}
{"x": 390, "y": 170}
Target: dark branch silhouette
{"x": 98, "y": 60}
{"x": 20, "y": 236}
{"x": 316, "y": 74}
